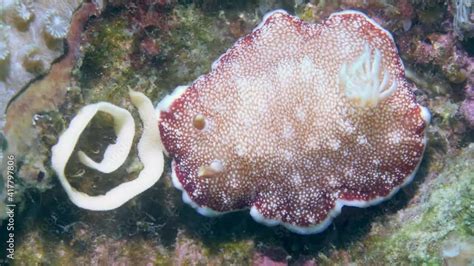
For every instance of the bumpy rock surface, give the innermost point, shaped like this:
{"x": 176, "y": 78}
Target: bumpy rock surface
{"x": 429, "y": 221}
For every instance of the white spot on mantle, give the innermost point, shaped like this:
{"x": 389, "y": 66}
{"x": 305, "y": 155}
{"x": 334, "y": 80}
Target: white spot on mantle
{"x": 362, "y": 139}
{"x": 334, "y": 144}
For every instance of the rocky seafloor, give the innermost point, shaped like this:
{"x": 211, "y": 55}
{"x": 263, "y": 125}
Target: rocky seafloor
{"x": 154, "y": 46}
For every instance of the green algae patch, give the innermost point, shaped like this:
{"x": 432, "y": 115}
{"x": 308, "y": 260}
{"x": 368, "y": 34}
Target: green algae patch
{"x": 234, "y": 253}
{"x": 446, "y": 211}
{"x": 188, "y": 49}
{"x": 105, "y": 70}
{"x": 36, "y": 249}
{"x": 191, "y": 251}
{"x": 31, "y": 251}
{"x": 174, "y": 51}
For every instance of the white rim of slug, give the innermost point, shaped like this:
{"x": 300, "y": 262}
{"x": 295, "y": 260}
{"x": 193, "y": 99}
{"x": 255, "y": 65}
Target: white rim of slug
{"x": 149, "y": 152}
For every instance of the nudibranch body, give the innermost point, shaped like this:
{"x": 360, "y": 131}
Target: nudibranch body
{"x": 294, "y": 121}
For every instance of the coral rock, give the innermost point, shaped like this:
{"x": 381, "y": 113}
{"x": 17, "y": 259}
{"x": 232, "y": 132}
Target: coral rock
{"x": 25, "y": 22}
{"x": 56, "y": 26}
{"x": 4, "y": 49}
{"x": 467, "y": 109}
{"x": 464, "y": 18}
{"x": 295, "y": 121}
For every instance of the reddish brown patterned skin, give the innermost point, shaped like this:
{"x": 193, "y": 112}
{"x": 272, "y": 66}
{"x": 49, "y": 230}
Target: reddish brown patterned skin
{"x": 281, "y": 136}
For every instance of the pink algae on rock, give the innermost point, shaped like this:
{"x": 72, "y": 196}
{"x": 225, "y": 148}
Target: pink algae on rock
{"x": 295, "y": 121}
